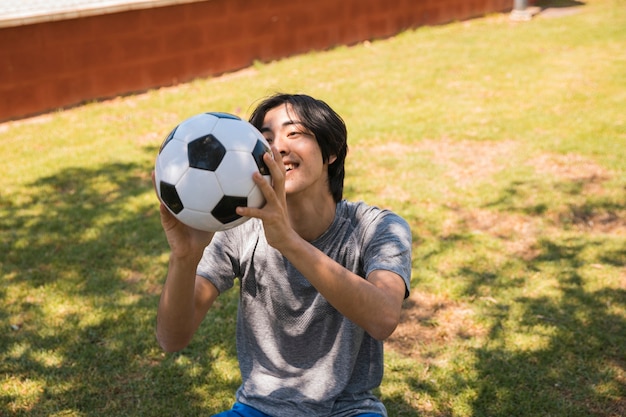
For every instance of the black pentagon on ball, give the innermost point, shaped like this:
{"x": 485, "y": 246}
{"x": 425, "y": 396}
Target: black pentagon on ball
{"x": 257, "y": 153}
{"x": 224, "y": 211}
{"x": 205, "y": 153}
{"x": 168, "y": 139}
{"x": 170, "y": 197}
{"x": 222, "y": 115}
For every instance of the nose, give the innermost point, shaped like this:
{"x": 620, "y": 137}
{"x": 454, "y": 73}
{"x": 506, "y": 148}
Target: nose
{"x": 281, "y": 144}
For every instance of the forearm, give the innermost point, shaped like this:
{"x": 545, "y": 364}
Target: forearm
{"x": 374, "y": 306}
{"x": 176, "y": 311}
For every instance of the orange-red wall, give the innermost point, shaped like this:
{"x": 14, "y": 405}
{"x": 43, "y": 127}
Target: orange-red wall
{"x": 56, "y": 64}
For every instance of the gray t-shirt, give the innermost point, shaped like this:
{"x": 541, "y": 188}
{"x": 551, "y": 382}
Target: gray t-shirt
{"x": 299, "y": 356}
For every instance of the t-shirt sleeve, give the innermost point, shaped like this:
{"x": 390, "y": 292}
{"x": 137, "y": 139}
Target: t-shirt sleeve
{"x": 219, "y": 263}
{"x": 388, "y": 247}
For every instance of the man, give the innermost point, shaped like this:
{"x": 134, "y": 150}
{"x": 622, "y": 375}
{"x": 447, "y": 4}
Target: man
{"x": 322, "y": 279}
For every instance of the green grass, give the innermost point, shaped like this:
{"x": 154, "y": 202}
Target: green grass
{"x": 502, "y": 144}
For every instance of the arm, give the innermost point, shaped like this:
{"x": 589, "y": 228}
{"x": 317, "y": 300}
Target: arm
{"x": 374, "y": 304}
{"x": 185, "y": 298}
{"x": 184, "y": 302}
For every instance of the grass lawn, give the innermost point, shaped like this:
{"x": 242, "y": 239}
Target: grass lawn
{"x": 503, "y": 144}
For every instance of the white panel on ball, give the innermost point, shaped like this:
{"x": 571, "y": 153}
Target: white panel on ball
{"x": 199, "y": 190}
{"x": 173, "y": 162}
{"x": 195, "y": 126}
{"x": 236, "y": 171}
{"x": 200, "y": 220}
{"x": 230, "y": 128}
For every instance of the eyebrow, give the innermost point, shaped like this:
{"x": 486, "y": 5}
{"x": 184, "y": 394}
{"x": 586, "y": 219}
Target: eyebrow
{"x": 287, "y": 123}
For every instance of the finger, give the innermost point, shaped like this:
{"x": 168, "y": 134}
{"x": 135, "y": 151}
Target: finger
{"x": 168, "y": 221}
{"x": 267, "y": 189}
{"x": 249, "y": 212}
{"x": 277, "y": 156}
{"x": 269, "y": 193}
{"x": 277, "y": 170}
{"x": 274, "y": 162}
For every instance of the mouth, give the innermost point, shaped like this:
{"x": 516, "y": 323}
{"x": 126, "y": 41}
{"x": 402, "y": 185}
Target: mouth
{"x": 290, "y": 167}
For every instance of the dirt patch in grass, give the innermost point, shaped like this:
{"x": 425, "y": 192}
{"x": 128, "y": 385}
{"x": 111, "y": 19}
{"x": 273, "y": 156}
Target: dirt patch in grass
{"x": 468, "y": 162}
{"x": 518, "y": 232}
{"x": 430, "y": 321}
{"x": 610, "y": 219}
{"x": 572, "y": 167}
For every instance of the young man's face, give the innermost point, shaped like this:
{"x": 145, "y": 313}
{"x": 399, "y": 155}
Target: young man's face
{"x": 306, "y": 172}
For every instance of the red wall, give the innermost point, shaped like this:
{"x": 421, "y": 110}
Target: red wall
{"x": 56, "y": 64}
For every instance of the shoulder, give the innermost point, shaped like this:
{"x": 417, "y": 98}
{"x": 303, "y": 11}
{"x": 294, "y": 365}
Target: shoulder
{"x": 374, "y": 225}
{"x": 385, "y": 240}
{"x": 365, "y": 215}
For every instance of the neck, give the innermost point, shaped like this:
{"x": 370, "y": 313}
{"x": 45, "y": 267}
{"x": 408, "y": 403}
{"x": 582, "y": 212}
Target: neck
{"x": 311, "y": 219}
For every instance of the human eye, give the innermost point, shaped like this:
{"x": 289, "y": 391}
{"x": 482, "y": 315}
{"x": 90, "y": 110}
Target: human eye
{"x": 297, "y": 130}
{"x": 268, "y": 136}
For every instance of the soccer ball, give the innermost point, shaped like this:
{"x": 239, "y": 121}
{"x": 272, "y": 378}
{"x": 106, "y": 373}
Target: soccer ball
{"x": 204, "y": 170}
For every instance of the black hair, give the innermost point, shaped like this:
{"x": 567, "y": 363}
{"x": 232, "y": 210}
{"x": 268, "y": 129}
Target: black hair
{"x": 321, "y": 120}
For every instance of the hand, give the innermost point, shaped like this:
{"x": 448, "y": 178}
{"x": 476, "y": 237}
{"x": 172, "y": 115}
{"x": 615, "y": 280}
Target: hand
{"x": 183, "y": 240}
{"x": 274, "y": 213}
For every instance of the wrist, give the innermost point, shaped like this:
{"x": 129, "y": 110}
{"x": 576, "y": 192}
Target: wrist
{"x": 186, "y": 261}
{"x": 291, "y": 246}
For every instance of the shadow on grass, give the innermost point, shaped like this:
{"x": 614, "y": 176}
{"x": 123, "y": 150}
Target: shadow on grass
{"x": 576, "y": 364}
{"x": 542, "y": 269}
{"x": 82, "y": 265}
{"x": 84, "y": 258}
{"x": 576, "y": 367}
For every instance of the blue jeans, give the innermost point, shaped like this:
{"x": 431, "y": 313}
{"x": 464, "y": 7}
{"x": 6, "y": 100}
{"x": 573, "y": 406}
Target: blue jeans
{"x": 242, "y": 410}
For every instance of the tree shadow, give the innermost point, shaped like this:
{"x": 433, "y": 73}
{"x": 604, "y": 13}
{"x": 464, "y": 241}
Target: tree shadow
{"x": 82, "y": 265}
{"x": 581, "y": 354}
{"x": 577, "y": 364}
{"x": 554, "y": 325}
